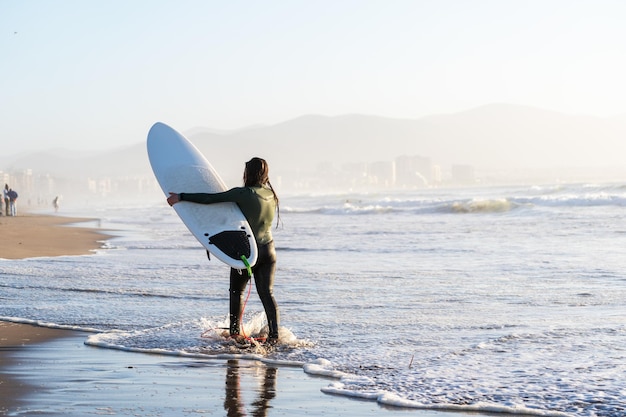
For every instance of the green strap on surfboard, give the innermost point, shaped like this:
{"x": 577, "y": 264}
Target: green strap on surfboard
{"x": 247, "y": 264}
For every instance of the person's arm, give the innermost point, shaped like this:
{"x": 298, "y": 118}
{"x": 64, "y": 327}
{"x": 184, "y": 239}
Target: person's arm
{"x": 232, "y": 195}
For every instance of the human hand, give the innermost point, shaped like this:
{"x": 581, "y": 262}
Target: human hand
{"x": 173, "y": 199}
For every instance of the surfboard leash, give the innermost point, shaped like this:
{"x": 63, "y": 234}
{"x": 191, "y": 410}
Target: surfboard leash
{"x": 243, "y": 308}
{"x": 247, "y": 264}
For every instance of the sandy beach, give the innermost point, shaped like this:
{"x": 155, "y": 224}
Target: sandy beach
{"x": 64, "y": 377}
{"x": 26, "y": 236}
{"x": 52, "y": 372}
{"x": 32, "y": 235}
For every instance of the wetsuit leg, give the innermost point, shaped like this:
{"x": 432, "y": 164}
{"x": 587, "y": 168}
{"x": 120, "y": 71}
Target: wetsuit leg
{"x": 264, "y": 279}
{"x": 238, "y": 281}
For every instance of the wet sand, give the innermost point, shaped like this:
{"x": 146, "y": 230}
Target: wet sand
{"x": 52, "y": 372}
{"x": 32, "y": 235}
{"x": 13, "y": 338}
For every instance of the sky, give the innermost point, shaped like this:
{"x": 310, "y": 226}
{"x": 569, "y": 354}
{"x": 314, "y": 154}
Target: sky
{"x": 95, "y": 75}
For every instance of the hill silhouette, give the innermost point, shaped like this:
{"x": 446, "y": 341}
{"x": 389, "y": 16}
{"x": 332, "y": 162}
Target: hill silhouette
{"x": 492, "y": 138}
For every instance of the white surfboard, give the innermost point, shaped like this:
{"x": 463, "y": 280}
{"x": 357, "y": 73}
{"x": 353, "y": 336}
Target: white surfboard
{"x": 180, "y": 168}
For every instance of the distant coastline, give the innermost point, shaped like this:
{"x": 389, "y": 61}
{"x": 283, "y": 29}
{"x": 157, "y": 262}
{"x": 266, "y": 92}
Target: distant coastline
{"x": 492, "y": 144}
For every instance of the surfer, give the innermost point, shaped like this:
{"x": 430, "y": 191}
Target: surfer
{"x": 258, "y": 202}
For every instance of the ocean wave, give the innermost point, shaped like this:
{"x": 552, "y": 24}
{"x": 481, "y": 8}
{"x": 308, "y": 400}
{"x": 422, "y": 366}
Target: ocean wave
{"x": 483, "y": 206}
{"x": 124, "y": 292}
{"x": 50, "y": 325}
{"x": 365, "y": 388}
{"x": 415, "y": 207}
{"x": 317, "y": 249}
{"x": 345, "y": 209}
{"x": 576, "y": 200}
{"x": 484, "y": 200}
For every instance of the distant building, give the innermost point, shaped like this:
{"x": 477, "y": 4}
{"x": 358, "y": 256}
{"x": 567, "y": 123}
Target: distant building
{"x": 354, "y": 174}
{"x": 463, "y": 174}
{"x": 382, "y": 173}
{"x": 437, "y": 176}
{"x": 413, "y": 171}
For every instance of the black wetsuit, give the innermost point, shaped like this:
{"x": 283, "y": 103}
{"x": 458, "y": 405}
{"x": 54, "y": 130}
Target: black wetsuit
{"x": 258, "y": 206}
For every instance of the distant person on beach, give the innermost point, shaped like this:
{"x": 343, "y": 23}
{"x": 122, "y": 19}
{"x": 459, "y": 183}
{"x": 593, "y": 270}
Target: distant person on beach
{"x": 258, "y": 202}
{"x": 5, "y": 193}
{"x": 13, "y": 201}
{"x": 55, "y": 203}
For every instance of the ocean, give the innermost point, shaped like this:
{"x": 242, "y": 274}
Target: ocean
{"x": 490, "y": 299}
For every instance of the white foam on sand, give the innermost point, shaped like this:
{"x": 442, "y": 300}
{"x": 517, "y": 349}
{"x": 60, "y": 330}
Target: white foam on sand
{"x": 70, "y": 378}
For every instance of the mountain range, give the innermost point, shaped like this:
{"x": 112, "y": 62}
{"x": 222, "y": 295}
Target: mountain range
{"x": 491, "y": 138}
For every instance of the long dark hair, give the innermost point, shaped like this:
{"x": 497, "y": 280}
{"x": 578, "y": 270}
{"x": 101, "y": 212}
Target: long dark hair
{"x": 257, "y": 174}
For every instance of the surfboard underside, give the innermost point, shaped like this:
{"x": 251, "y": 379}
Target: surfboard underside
{"x": 180, "y": 167}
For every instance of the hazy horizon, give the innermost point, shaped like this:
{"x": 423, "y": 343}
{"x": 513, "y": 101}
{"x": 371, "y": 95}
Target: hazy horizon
{"x": 493, "y": 144}
{"x": 193, "y": 131}
{"x": 93, "y": 76}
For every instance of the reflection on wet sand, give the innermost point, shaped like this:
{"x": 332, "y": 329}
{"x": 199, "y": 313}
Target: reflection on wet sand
{"x": 233, "y": 401}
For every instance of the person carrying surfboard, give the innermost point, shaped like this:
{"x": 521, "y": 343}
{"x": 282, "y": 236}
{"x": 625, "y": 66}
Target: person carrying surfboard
{"x": 258, "y": 202}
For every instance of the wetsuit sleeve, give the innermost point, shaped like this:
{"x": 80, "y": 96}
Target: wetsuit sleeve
{"x": 233, "y": 195}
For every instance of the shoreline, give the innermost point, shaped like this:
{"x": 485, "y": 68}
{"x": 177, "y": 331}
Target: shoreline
{"x": 32, "y": 235}
{"x": 52, "y": 371}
